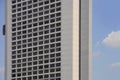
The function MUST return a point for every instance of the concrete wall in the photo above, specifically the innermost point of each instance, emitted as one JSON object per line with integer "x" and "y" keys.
{"x": 8, "y": 41}
{"x": 86, "y": 53}
{"x": 67, "y": 49}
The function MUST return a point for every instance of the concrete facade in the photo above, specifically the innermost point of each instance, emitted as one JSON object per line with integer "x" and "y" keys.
{"x": 76, "y": 34}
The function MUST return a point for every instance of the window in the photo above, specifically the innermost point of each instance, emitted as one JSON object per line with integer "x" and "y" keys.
{"x": 58, "y": 19}
{"x": 29, "y": 2}
{"x": 34, "y": 5}
{"x": 58, "y": 64}
{"x": 14, "y": 6}
{"x": 52, "y": 55}
{"x": 24, "y": 3}
{"x": 58, "y": 4}
{"x": 58, "y": 9}
{"x": 52, "y": 1}
{"x": 52, "y": 70}
{"x": 34, "y": 0}
{"x": 46, "y": 27}
{"x": 41, "y": 8}
{"x": 58, "y": 14}
{"x": 30, "y": 6}
{"x": 52, "y": 5}
{"x": 46, "y": 2}
{"x": 41, "y": 3}
{"x": 52, "y": 15}
{"x": 52, "y": 30}
{"x": 40, "y": 18}
{"x": 58, "y": 34}
{"x": 34, "y": 10}
{"x": 58, "y": 29}
{"x": 58, "y": 59}
{"x": 24, "y": 8}
{"x": 46, "y": 36}
{"x": 14, "y": 1}
{"x": 52, "y": 25}
{"x": 46, "y": 7}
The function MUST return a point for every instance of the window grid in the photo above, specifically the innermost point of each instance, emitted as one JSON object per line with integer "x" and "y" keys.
{"x": 36, "y": 40}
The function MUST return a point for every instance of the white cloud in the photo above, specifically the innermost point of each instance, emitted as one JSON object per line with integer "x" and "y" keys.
{"x": 1, "y": 69}
{"x": 113, "y": 39}
{"x": 116, "y": 64}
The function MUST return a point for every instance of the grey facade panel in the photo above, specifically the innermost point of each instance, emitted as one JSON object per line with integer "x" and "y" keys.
{"x": 67, "y": 22}
{"x": 86, "y": 39}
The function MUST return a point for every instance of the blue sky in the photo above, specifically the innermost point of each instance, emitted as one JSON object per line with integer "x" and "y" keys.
{"x": 2, "y": 54}
{"x": 106, "y": 40}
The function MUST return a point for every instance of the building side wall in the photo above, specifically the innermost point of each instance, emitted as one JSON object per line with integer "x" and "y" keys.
{"x": 76, "y": 38}
{"x": 8, "y": 41}
{"x": 67, "y": 49}
{"x": 86, "y": 39}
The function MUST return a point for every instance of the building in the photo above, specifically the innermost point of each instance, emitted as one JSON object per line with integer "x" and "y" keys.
{"x": 48, "y": 40}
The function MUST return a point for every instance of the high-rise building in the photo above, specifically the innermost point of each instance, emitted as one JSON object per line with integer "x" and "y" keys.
{"x": 48, "y": 40}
